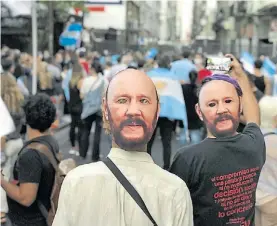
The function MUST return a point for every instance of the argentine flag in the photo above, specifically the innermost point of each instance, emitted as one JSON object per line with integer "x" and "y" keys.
{"x": 71, "y": 36}
{"x": 248, "y": 62}
{"x": 172, "y": 104}
{"x": 269, "y": 68}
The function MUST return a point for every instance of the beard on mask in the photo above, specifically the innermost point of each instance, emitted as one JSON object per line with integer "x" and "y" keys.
{"x": 131, "y": 144}
{"x": 222, "y": 133}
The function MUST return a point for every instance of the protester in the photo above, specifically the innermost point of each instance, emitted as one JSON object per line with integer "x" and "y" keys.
{"x": 164, "y": 124}
{"x": 130, "y": 114}
{"x": 266, "y": 195}
{"x": 183, "y": 67}
{"x": 201, "y": 62}
{"x": 33, "y": 173}
{"x": 222, "y": 171}
{"x": 190, "y": 95}
{"x": 13, "y": 98}
{"x": 75, "y": 106}
{"x": 262, "y": 83}
{"x": 45, "y": 80}
{"x": 92, "y": 89}
{"x": 83, "y": 61}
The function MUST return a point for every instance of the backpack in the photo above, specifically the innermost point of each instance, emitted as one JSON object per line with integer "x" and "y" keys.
{"x": 61, "y": 169}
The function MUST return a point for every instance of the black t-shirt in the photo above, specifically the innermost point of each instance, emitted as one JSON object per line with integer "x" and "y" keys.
{"x": 189, "y": 92}
{"x": 33, "y": 167}
{"x": 222, "y": 176}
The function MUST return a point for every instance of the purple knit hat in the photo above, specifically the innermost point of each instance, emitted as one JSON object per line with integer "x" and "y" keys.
{"x": 225, "y": 78}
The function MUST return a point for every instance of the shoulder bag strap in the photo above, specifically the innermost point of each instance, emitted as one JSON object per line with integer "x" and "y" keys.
{"x": 128, "y": 187}
{"x": 45, "y": 148}
{"x": 93, "y": 84}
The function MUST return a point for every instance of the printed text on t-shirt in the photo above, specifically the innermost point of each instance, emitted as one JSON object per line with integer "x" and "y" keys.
{"x": 235, "y": 194}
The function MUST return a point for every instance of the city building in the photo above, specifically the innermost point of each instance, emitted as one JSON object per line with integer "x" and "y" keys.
{"x": 149, "y": 21}
{"x": 168, "y": 20}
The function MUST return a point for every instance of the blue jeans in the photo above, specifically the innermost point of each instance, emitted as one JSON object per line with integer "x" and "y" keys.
{"x": 195, "y": 136}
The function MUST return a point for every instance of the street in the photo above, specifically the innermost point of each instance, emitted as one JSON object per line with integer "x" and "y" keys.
{"x": 62, "y": 137}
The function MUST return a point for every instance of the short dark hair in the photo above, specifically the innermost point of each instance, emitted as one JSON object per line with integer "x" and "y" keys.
{"x": 141, "y": 63}
{"x": 164, "y": 61}
{"x": 40, "y": 112}
{"x": 193, "y": 75}
{"x": 186, "y": 53}
{"x": 6, "y": 64}
{"x": 82, "y": 54}
{"x": 258, "y": 64}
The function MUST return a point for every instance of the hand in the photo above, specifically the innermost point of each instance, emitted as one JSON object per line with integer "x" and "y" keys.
{"x": 236, "y": 68}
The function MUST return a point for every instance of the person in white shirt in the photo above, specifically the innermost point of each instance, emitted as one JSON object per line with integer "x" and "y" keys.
{"x": 91, "y": 194}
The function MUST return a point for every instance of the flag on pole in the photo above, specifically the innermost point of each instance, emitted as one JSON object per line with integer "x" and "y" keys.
{"x": 71, "y": 36}
{"x": 248, "y": 62}
{"x": 269, "y": 68}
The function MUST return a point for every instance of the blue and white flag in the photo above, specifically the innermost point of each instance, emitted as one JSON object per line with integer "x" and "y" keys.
{"x": 269, "y": 68}
{"x": 172, "y": 104}
{"x": 151, "y": 53}
{"x": 248, "y": 62}
{"x": 71, "y": 36}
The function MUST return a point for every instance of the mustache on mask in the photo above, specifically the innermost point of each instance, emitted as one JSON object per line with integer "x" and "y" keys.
{"x": 223, "y": 117}
{"x": 133, "y": 122}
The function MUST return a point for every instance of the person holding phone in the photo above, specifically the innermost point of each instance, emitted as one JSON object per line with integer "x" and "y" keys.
{"x": 223, "y": 170}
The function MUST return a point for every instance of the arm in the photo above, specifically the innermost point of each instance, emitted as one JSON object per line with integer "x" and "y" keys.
{"x": 268, "y": 88}
{"x": 25, "y": 194}
{"x": 250, "y": 106}
{"x": 29, "y": 174}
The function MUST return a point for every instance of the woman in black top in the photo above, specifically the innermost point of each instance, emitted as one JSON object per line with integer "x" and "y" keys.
{"x": 191, "y": 99}
{"x": 75, "y": 104}
{"x": 261, "y": 82}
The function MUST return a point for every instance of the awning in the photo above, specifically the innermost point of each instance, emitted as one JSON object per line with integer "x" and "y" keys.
{"x": 269, "y": 6}
{"x": 18, "y": 8}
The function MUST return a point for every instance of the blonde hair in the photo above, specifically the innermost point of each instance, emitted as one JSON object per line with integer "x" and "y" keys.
{"x": 10, "y": 93}
{"x": 77, "y": 74}
{"x": 268, "y": 110}
{"x": 44, "y": 77}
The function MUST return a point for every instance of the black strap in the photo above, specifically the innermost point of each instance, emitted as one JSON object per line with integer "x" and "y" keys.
{"x": 128, "y": 187}
{"x": 50, "y": 154}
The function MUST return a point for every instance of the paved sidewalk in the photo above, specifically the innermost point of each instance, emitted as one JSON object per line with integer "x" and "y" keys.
{"x": 65, "y": 121}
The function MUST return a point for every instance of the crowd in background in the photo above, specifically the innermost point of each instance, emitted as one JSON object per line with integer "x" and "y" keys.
{"x": 76, "y": 80}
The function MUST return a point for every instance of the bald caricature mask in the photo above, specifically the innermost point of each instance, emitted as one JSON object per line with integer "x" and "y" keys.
{"x": 131, "y": 109}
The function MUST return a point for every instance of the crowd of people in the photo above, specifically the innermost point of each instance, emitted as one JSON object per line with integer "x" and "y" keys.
{"x": 224, "y": 174}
